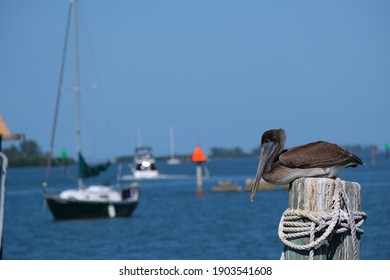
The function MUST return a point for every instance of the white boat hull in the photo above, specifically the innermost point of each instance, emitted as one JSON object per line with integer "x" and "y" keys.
{"x": 173, "y": 161}
{"x": 93, "y": 202}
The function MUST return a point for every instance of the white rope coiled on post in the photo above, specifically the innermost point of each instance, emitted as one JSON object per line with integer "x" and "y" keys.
{"x": 301, "y": 223}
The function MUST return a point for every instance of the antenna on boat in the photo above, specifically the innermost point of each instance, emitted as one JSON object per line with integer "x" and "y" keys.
{"x": 138, "y": 140}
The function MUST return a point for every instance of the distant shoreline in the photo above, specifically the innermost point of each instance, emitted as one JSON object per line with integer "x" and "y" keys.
{"x": 28, "y": 154}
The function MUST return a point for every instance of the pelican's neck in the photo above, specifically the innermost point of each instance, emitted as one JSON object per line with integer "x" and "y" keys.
{"x": 273, "y": 157}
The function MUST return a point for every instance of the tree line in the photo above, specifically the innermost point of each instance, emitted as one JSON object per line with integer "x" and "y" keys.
{"x": 28, "y": 153}
{"x": 220, "y": 152}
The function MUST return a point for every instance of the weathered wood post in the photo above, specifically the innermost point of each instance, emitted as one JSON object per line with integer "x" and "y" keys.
{"x": 199, "y": 158}
{"x": 323, "y": 220}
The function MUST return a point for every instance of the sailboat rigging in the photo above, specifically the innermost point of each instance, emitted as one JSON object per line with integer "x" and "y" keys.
{"x": 95, "y": 201}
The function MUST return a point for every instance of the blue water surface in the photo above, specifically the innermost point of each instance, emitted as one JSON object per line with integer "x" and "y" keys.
{"x": 172, "y": 221}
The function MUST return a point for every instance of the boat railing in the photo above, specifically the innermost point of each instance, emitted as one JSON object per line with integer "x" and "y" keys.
{"x": 3, "y": 177}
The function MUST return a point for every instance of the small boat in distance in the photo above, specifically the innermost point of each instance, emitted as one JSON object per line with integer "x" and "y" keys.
{"x": 172, "y": 160}
{"x": 144, "y": 164}
{"x": 96, "y": 201}
{"x": 226, "y": 187}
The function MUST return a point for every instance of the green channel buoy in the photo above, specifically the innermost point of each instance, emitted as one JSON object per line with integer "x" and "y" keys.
{"x": 64, "y": 154}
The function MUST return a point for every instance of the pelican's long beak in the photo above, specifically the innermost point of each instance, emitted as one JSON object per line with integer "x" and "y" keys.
{"x": 265, "y": 152}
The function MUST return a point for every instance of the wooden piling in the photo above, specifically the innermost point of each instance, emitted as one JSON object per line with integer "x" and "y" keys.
{"x": 316, "y": 197}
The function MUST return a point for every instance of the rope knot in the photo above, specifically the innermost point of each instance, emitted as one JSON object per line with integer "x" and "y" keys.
{"x": 320, "y": 227}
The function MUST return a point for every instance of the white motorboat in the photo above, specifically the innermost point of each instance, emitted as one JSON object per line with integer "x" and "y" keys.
{"x": 144, "y": 164}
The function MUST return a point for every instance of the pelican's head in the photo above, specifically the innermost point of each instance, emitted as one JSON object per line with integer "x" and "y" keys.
{"x": 271, "y": 141}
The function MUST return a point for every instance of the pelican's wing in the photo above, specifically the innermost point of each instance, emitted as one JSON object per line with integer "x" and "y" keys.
{"x": 318, "y": 154}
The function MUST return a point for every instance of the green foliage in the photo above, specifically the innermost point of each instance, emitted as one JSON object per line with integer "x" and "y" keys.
{"x": 30, "y": 148}
{"x": 28, "y": 153}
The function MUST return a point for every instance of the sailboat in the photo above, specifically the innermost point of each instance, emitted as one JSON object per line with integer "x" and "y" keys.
{"x": 96, "y": 201}
{"x": 172, "y": 160}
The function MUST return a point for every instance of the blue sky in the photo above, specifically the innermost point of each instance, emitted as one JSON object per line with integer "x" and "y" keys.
{"x": 222, "y": 72}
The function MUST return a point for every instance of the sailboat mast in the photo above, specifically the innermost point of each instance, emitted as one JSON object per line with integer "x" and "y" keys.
{"x": 77, "y": 86}
{"x": 57, "y": 105}
{"x": 171, "y": 142}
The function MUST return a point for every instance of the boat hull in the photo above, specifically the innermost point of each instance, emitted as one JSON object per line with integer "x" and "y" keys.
{"x": 65, "y": 209}
{"x": 173, "y": 161}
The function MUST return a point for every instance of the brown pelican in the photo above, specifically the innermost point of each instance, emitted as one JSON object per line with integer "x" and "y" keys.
{"x": 318, "y": 159}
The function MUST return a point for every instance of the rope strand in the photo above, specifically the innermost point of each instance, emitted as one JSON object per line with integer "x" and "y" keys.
{"x": 301, "y": 223}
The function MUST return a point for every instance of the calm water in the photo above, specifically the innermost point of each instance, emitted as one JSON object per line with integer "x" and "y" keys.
{"x": 173, "y": 222}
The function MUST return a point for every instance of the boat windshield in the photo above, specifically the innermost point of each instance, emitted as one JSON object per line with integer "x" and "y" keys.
{"x": 144, "y": 153}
